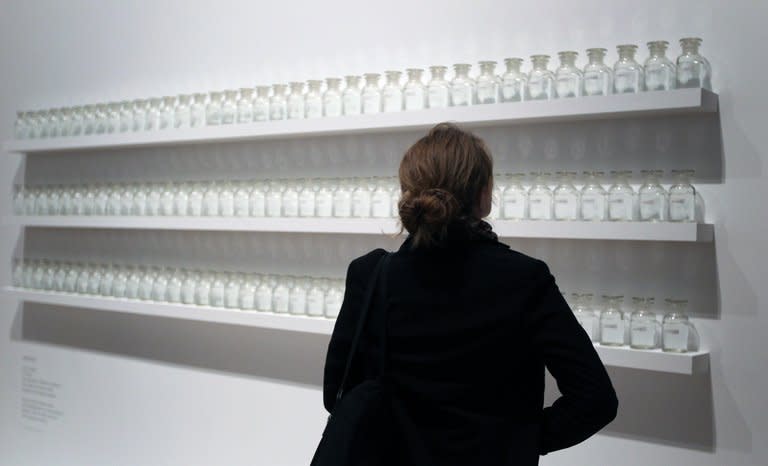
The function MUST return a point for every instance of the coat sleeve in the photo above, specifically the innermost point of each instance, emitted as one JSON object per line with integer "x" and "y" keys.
{"x": 588, "y": 401}
{"x": 358, "y": 275}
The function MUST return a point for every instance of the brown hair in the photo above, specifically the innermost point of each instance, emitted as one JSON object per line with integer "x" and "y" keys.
{"x": 441, "y": 178}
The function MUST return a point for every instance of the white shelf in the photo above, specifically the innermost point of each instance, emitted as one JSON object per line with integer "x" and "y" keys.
{"x": 627, "y": 231}
{"x": 654, "y": 360}
{"x": 292, "y": 323}
{"x": 680, "y": 101}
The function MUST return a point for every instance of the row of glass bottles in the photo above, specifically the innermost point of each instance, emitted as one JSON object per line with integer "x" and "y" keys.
{"x": 327, "y": 99}
{"x": 592, "y": 202}
{"x": 609, "y": 325}
{"x": 283, "y": 294}
{"x": 315, "y": 197}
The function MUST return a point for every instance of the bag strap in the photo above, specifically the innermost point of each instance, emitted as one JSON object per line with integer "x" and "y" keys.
{"x": 381, "y": 265}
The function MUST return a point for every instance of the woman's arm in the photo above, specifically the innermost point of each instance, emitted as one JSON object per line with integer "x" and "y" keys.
{"x": 588, "y": 401}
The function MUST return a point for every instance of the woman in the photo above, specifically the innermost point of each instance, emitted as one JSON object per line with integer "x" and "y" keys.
{"x": 470, "y": 325}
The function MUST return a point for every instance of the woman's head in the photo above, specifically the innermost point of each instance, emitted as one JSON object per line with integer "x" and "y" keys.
{"x": 446, "y": 177}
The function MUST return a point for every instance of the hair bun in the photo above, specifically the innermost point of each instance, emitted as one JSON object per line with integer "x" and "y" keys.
{"x": 430, "y": 211}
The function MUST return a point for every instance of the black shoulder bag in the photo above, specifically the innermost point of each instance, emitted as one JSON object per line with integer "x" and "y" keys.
{"x": 354, "y": 434}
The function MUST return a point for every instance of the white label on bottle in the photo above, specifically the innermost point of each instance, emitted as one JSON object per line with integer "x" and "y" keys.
{"x": 307, "y": 205}
{"x": 261, "y": 112}
{"x": 280, "y": 300}
{"x": 264, "y": 299}
{"x": 211, "y": 204}
{"x": 277, "y": 111}
{"x": 675, "y": 337}
{"x": 274, "y": 205}
{"x": 203, "y": 294}
{"x": 332, "y": 305}
{"x": 247, "y": 299}
{"x": 461, "y": 96}
{"x": 438, "y": 97}
{"x": 324, "y": 204}
{"x": 617, "y": 209}
{"x": 216, "y": 296}
{"x": 487, "y": 93}
{"x": 290, "y": 205}
{"x": 232, "y": 296}
{"x": 188, "y": 292}
{"x": 298, "y": 302}
{"x": 680, "y": 209}
{"x": 371, "y": 103}
{"x": 315, "y": 303}
{"x": 414, "y": 99}
{"x": 650, "y": 209}
{"x": 314, "y": 109}
{"x": 227, "y": 205}
{"x": 241, "y": 205}
{"x": 258, "y": 204}
{"x": 342, "y": 206}
{"x": 173, "y": 292}
{"x": 332, "y": 107}
{"x": 361, "y": 204}
{"x": 352, "y": 104}
{"x": 380, "y": 205}
{"x": 642, "y": 335}
{"x": 612, "y": 333}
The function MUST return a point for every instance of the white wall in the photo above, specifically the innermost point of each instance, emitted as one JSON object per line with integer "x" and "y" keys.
{"x": 154, "y": 391}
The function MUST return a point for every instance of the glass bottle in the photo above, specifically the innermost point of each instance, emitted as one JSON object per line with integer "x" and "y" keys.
{"x": 612, "y": 327}
{"x": 229, "y": 107}
{"x": 488, "y": 83}
{"x": 594, "y": 205}
{"x": 643, "y": 326}
{"x": 499, "y": 184}
{"x": 628, "y": 76}
{"x": 211, "y": 200}
{"x": 89, "y": 120}
{"x": 371, "y": 94}
{"x": 660, "y": 72}
{"x": 112, "y": 120}
{"x": 102, "y": 118}
{"x": 261, "y": 104}
{"x": 203, "y": 288}
{"x": 394, "y": 191}
{"x": 174, "y": 286}
{"x": 463, "y": 88}
{"x": 76, "y": 121}
{"x": 146, "y": 283}
{"x": 598, "y": 77}
{"x": 241, "y": 199}
{"x": 19, "y": 199}
{"x": 195, "y": 201}
{"x": 168, "y": 109}
{"x": 566, "y": 198}
{"x": 257, "y": 199}
{"x": 227, "y": 199}
{"x": 324, "y": 199}
{"x": 264, "y": 293}
{"x": 392, "y": 92}
{"x": 278, "y": 103}
{"x": 245, "y": 105}
{"x": 693, "y": 70}
{"x": 361, "y": 198}
{"x": 297, "y": 298}
{"x": 189, "y": 287}
{"x": 332, "y": 106}
{"x": 281, "y": 295}
{"x": 352, "y": 103}
{"x": 232, "y": 290}
{"x": 678, "y": 333}
{"x": 513, "y": 81}
{"x": 653, "y": 197}
{"x": 541, "y": 81}
{"x": 167, "y": 199}
{"x": 197, "y": 110}
{"x": 682, "y": 197}
{"x": 307, "y": 198}
{"x": 334, "y": 296}
{"x": 247, "y": 296}
{"x": 54, "y": 120}
{"x": 342, "y": 199}
{"x": 114, "y": 201}
{"x": 183, "y": 116}
{"x": 181, "y": 199}
{"x": 583, "y": 309}
{"x": 140, "y": 108}
{"x": 214, "y": 108}
{"x": 539, "y": 198}
{"x": 316, "y": 298}
{"x": 42, "y": 204}
{"x": 218, "y": 288}
{"x": 274, "y": 200}
{"x": 381, "y": 199}
{"x": 290, "y": 200}
{"x": 20, "y": 128}
{"x": 569, "y": 79}
{"x": 414, "y": 92}
{"x": 65, "y": 121}
{"x": 313, "y": 100}
{"x": 514, "y": 199}
{"x": 621, "y": 198}
{"x": 160, "y": 285}
{"x": 295, "y": 101}
{"x": 438, "y": 89}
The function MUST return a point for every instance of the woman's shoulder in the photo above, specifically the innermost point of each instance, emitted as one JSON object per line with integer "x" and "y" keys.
{"x": 367, "y": 261}
{"x": 500, "y": 255}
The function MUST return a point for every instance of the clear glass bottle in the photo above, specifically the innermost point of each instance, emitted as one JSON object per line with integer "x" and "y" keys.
{"x": 167, "y": 112}
{"x": 381, "y": 199}
{"x": 514, "y": 199}
{"x": 307, "y": 197}
{"x": 203, "y": 288}
{"x": 218, "y": 289}
{"x": 313, "y": 99}
{"x": 232, "y": 290}
{"x": 371, "y": 94}
{"x": 214, "y": 108}
{"x": 342, "y": 199}
{"x": 20, "y": 128}
{"x": 76, "y": 121}
{"x": 297, "y": 298}
{"x": 248, "y": 289}
{"x": 352, "y": 103}
{"x": 195, "y": 201}
{"x": 682, "y": 197}
{"x": 628, "y": 75}
{"x": 181, "y": 199}
{"x": 227, "y": 199}
{"x": 278, "y": 103}
{"x": 513, "y": 81}
{"x": 160, "y": 285}
{"x": 361, "y": 198}
{"x": 414, "y": 92}
{"x": 102, "y": 119}
{"x": 174, "y": 286}
{"x": 392, "y": 92}
{"x": 566, "y": 198}
{"x": 147, "y": 282}
{"x": 438, "y": 89}
{"x": 594, "y": 199}
{"x": 229, "y": 107}
{"x": 54, "y": 120}
{"x": 316, "y": 298}
{"x": 621, "y": 198}
{"x": 189, "y": 287}
{"x": 264, "y": 293}
{"x": 660, "y": 72}
{"x": 643, "y": 326}
{"x": 569, "y": 80}
{"x": 612, "y": 325}
{"x": 333, "y": 298}
{"x": 583, "y": 309}
{"x": 182, "y": 117}
{"x": 89, "y": 120}
{"x": 394, "y": 191}
{"x": 242, "y": 198}
{"x": 245, "y": 105}
{"x": 19, "y": 199}
{"x": 113, "y": 120}
{"x": 463, "y": 88}
{"x": 652, "y": 197}
{"x": 332, "y": 102}
{"x": 274, "y": 200}
{"x": 541, "y": 81}
{"x": 678, "y": 334}
{"x": 290, "y": 200}
{"x": 167, "y": 199}
{"x": 114, "y": 202}
{"x": 197, "y": 110}
{"x": 324, "y": 199}
{"x": 540, "y": 198}
{"x": 281, "y": 295}
{"x": 140, "y": 108}
{"x": 257, "y": 199}
{"x": 499, "y": 184}
{"x": 693, "y": 70}
{"x": 211, "y": 200}
{"x": 295, "y": 101}
{"x": 488, "y": 83}
{"x": 261, "y": 110}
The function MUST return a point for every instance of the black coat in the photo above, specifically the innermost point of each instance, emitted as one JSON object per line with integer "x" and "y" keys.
{"x": 471, "y": 327}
